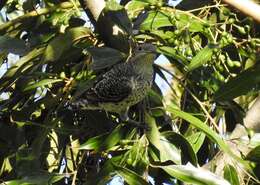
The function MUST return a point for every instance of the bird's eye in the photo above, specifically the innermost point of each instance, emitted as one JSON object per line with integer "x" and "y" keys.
{"x": 139, "y": 48}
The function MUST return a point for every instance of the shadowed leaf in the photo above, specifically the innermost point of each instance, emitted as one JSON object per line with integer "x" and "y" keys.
{"x": 239, "y": 85}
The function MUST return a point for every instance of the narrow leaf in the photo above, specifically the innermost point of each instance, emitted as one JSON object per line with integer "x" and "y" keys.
{"x": 167, "y": 151}
{"x": 196, "y": 140}
{"x": 188, "y": 155}
{"x": 171, "y": 52}
{"x": 210, "y": 133}
{"x": 42, "y": 83}
{"x": 201, "y": 58}
{"x": 192, "y": 175}
{"x": 93, "y": 143}
{"x": 106, "y": 141}
{"x": 130, "y": 176}
{"x": 19, "y": 67}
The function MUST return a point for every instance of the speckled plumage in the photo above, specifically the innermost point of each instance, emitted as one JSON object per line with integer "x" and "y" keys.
{"x": 122, "y": 86}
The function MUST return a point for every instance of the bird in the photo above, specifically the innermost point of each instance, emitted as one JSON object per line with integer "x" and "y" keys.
{"x": 122, "y": 86}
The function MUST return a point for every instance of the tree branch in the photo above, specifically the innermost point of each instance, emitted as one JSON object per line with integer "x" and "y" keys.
{"x": 93, "y": 9}
{"x": 247, "y": 7}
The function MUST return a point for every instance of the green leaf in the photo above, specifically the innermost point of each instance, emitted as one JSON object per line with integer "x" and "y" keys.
{"x": 200, "y": 125}
{"x": 209, "y": 132}
{"x": 180, "y": 142}
{"x": 104, "y": 57}
{"x": 62, "y": 43}
{"x": 118, "y": 15}
{"x": 19, "y": 68}
{"x": 192, "y": 175}
{"x": 170, "y": 51}
{"x": 6, "y": 166}
{"x": 137, "y": 156}
{"x": 179, "y": 19}
{"x": 155, "y": 20}
{"x": 106, "y": 141}
{"x": 254, "y": 155}
{"x": 201, "y": 58}
{"x": 135, "y": 7}
{"x": 93, "y": 143}
{"x": 240, "y": 85}
{"x": 42, "y": 83}
{"x": 188, "y": 21}
{"x": 167, "y": 151}
{"x": 153, "y": 133}
{"x": 13, "y": 45}
{"x": 130, "y": 176}
{"x": 196, "y": 140}
{"x": 230, "y": 174}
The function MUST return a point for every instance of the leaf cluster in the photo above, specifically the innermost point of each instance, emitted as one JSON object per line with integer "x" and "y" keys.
{"x": 212, "y": 55}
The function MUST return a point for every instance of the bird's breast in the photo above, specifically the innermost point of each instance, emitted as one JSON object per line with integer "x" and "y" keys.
{"x": 139, "y": 91}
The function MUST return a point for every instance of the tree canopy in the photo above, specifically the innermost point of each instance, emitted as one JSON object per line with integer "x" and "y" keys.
{"x": 202, "y": 129}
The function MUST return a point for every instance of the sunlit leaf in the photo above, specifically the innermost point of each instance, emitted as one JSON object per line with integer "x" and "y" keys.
{"x": 137, "y": 156}
{"x": 42, "y": 83}
{"x": 166, "y": 17}
{"x": 167, "y": 151}
{"x": 106, "y": 141}
{"x": 201, "y": 58}
{"x": 180, "y": 142}
{"x": 192, "y": 175}
{"x": 169, "y": 51}
{"x": 210, "y": 133}
{"x": 93, "y": 143}
{"x": 134, "y": 7}
{"x": 196, "y": 140}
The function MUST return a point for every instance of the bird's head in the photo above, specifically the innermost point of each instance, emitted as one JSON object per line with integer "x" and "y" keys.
{"x": 142, "y": 58}
{"x": 145, "y": 48}
{"x": 144, "y": 53}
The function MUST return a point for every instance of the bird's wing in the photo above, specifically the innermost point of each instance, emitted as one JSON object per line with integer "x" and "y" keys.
{"x": 113, "y": 86}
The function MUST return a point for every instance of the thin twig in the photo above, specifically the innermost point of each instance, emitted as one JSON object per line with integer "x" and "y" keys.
{"x": 195, "y": 98}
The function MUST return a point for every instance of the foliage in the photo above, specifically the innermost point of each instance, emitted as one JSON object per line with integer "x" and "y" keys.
{"x": 213, "y": 54}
